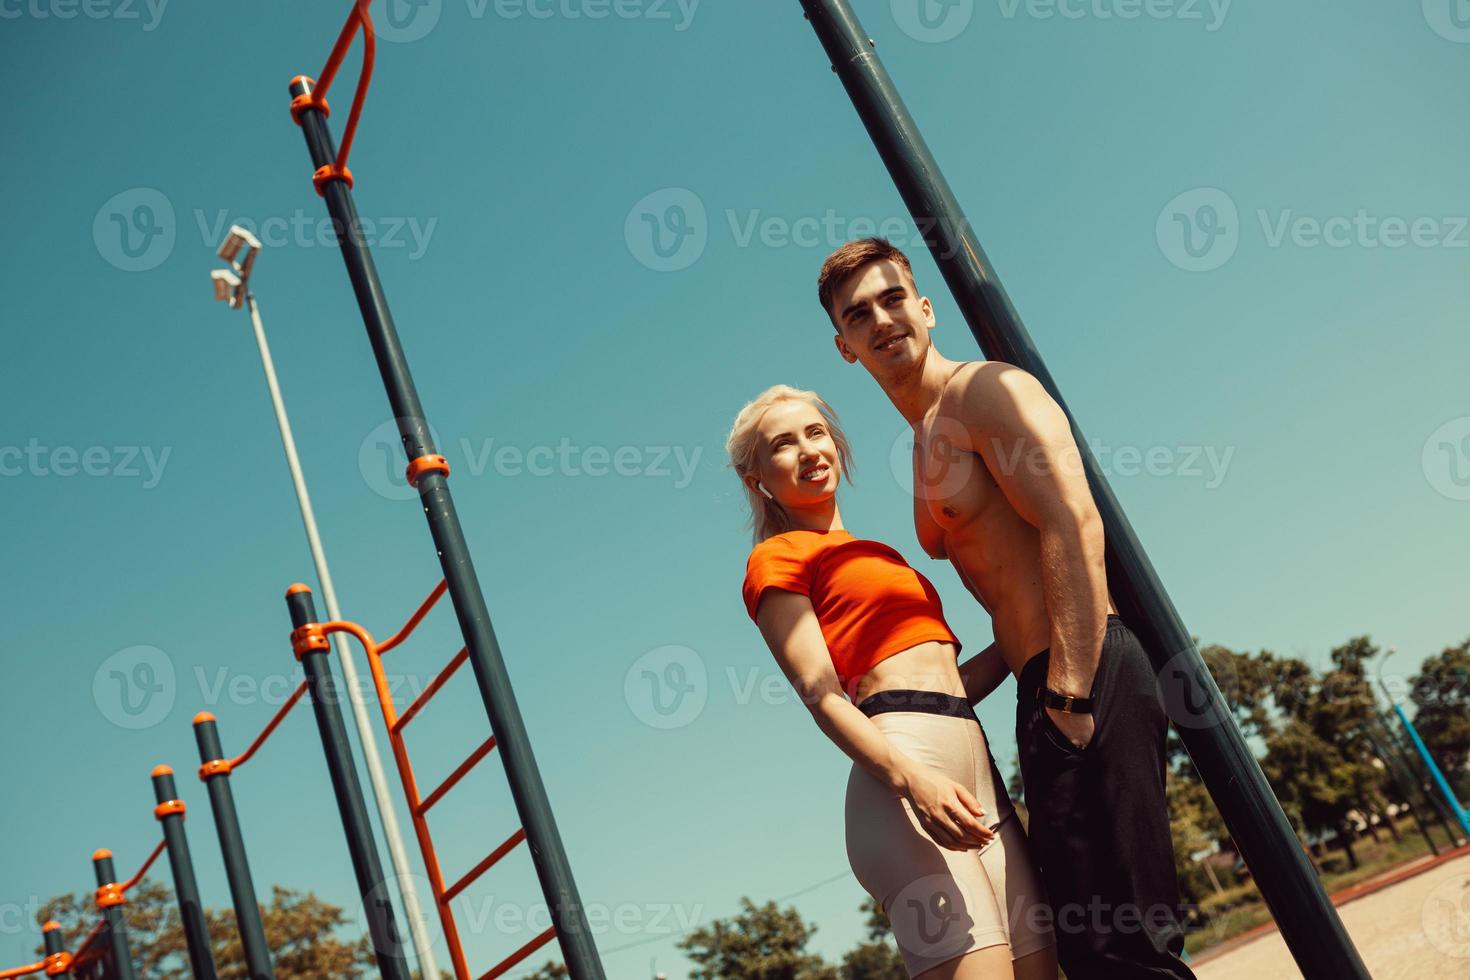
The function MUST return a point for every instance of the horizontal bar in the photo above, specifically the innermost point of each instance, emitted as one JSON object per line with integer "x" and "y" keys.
{"x": 457, "y": 775}
{"x": 439, "y": 681}
{"x": 483, "y": 866}
{"x": 265, "y": 732}
{"x": 413, "y": 620}
{"x": 519, "y": 954}
{"x": 144, "y": 869}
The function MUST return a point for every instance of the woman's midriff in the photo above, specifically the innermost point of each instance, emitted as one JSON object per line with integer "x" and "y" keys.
{"x": 929, "y": 666}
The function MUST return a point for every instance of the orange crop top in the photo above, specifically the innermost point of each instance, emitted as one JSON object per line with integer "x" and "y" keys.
{"x": 869, "y": 602}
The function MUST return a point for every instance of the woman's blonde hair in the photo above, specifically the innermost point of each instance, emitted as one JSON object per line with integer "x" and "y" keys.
{"x": 767, "y": 516}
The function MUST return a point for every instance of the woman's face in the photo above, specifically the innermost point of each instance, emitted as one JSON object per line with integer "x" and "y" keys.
{"x": 795, "y": 457}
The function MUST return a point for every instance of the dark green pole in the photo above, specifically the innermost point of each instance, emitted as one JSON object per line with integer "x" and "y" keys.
{"x": 170, "y": 813}
{"x": 1391, "y": 766}
{"x": 110, "y": 902}
{"x": 366, "y": 866}
{"x": 232, "y": 847}
{"x": 568, "y": 915}
{"x": 1306, "y": 917}
{"x": 55, "y": 949}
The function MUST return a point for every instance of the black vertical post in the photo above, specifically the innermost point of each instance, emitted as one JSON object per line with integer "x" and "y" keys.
{"x": 110, "y": 902}
{"x": 532, "y": 805}
{"x": 170, "y": 813}
{"x": 326, "y": 704}
{"x": 55, "y": 950}
{"x": 1307, "y": 919}
{"x": 232, "y": 846}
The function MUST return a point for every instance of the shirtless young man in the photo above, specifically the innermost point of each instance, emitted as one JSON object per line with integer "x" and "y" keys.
{"x": 999, "y": 490}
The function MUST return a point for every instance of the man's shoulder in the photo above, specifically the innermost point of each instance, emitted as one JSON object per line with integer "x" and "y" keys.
{"x": 974, "y": 383}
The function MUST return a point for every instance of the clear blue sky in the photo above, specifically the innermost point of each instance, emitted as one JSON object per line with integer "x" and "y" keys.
{"x": 1235, "y": 229}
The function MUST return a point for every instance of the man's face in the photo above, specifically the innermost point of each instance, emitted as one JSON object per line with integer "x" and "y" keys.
{"x": 882, "y": 321}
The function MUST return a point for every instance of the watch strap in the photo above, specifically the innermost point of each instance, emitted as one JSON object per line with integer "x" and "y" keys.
{"x": 1069, "y": 703}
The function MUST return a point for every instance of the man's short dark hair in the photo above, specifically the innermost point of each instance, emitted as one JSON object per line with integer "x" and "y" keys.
{"x": 852, "y": 257}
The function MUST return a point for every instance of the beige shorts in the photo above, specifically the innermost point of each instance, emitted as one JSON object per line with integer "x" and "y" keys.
{"x": 943, "y": 903}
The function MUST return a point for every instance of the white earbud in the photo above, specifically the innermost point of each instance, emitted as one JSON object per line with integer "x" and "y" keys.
{"x": 762, "y": 488}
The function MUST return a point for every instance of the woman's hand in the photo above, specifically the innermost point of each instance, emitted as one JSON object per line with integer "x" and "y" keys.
{"x": 946, "y": 810}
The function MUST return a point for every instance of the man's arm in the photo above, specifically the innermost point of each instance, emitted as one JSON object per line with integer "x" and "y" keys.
{"x": 983, "y": 673}
{"x": 1026, "y": 442}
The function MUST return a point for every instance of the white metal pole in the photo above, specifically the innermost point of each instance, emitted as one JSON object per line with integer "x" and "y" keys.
{"x": 417, "y": 927}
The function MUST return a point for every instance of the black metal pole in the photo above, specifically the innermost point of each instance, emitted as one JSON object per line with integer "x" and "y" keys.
{"x": 532, "y": 805}
{"x": 1390, "y": 765}
{"x": 110, "y": 902}
{"x": 170, "y": 813}
{"x": 327, "y": 705}
{"x": 1423, "y": 780}
{"x": 55, "y": 948}
{"x": 1307, "y": 919}
{"x": 232, "y": 846}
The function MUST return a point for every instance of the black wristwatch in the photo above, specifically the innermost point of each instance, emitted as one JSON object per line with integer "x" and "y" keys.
{"x": 1069, "y": 703}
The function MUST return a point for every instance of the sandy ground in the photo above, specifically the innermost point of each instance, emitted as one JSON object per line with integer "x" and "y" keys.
{"x": 1418, "y": 929}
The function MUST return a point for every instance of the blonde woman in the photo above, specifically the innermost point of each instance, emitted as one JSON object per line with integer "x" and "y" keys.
{"x": 931, "y": 834}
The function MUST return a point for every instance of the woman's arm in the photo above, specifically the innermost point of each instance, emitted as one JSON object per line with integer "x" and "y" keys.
{"x": 983, "y": 673}
{"x": 947, "y": 811}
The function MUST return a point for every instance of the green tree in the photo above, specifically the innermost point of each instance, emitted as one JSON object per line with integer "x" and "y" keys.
{"x": 1441, "y": 695}
{"x": 876, "y": 959}
{"x": 760, "y": 943}
{"x": 299, "y": 928}
{"x": 550, "y": 970}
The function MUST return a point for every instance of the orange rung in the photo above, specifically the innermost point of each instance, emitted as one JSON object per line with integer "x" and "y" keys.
{"x": 433, "y": 688}
{"x": 22, "y": 971}
{"x": 458, "y": 774}
{"x": 519, "y": 954}
{"x": 483, "y": 866}
{"x": 415, "y": 619}
{"x": 143, "y": 870}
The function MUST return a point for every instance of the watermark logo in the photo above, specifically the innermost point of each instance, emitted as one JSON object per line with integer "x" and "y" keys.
{"x": 134, "y": 230}
{"x": 1450, "y": 19}
{"x": 1446, "y": 917}
{"x": 135, "y": 687}
{"x": 668, "y": 230}
{"x": 1195, "y": 695}
{"x": 667, "y": 687}
{"x": 932, "y": 21}
{"x": 402, "y": 21}
{"x": 1446, "y": 459}
{"x": 1198, "y": 230}
{"x": 145, "y": 463}
{"x": 932, "y": 915}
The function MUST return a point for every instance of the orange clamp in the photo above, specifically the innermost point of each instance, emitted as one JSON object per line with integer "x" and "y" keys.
{"x": 109, "y": 896}
{"x": 309, "y": 639}
{"x": 426, "y": 464}
{"x": 331, "y": 171}
{"x": 218, "y": 767}
{"x": 57, "y": 964}
{"x": 168, "y": 808}
{"x": 308, "y": 100}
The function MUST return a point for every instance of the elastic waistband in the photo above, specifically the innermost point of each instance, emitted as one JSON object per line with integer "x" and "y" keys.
{"x": 924, "y": 702}
{"x": 1033, "y": 671}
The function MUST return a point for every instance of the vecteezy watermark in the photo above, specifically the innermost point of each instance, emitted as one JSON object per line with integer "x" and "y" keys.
{"x": 303, "y": 230}
{"x": 1210, "y": 13}
{"x": 932, "y": 916}
{"x": 1450, "y": 19}
{"x": 1446, "y": 459}
{"x": 949, "y": 461}
{"x": 119, "y": 462}
{"x": 135, "y": 687}
{"x": 1199, "y": 230}
{"x": 669, "y": 230}
{"x": 1446, "y": 917}
{"x": 932, "y": 21}
{"x": 147, "y": 13}
{"x": 410, "y": 20}
{"x": 667, "y": 687}
{"x": 136, "y": 230}
{"x": 380, "y": 461}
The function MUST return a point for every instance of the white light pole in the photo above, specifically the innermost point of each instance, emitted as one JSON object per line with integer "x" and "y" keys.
{"x": 233, "y": 286}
